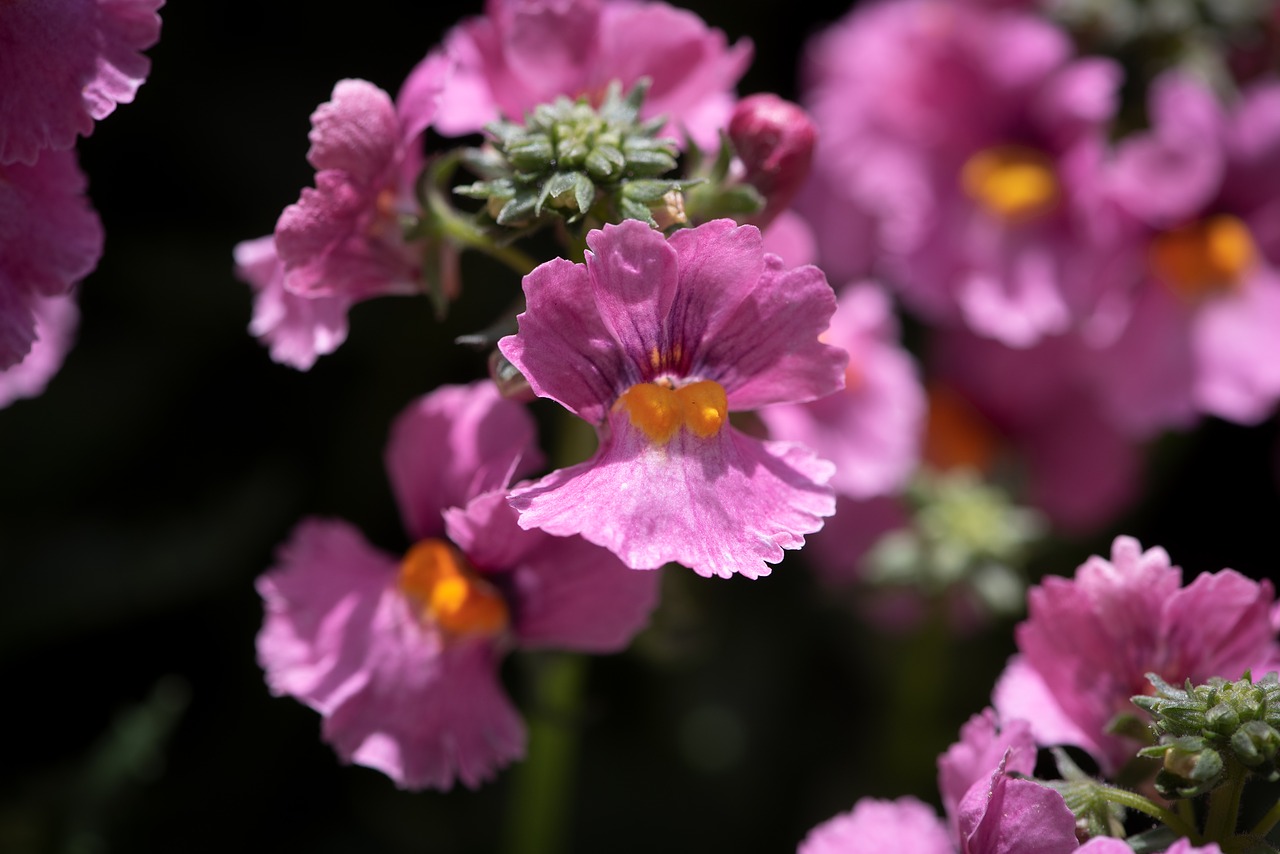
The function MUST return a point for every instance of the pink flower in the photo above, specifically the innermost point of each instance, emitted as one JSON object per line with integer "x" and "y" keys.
{"x": 960, "y": 149}
{"x": 50, "y": 239}
{"x": 988, "y": 810}
{"x": 871, "y": 429}
{"x": 343, "y": 241}
{"x": 1089, "y": 642}
{"x": 522, "y": 53}
{"x": 1202, "y": 186}
{"x": 66, "y": 64}
{"x": 400, "y": 656}
{"x": 654, "y": 341}
{"x": 1040, "y": 406}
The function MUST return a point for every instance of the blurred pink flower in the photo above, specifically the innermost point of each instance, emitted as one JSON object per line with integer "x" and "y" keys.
{"x": 400, "y": 656}
{"x": 50, "y": 239}
{"x": 1202, "y": 185}
{"x": 959, "y": 154}
{"x": 522, "y": 53}
{"x": 65, "y": 65}
{"x": 872, "y": 428}
{"x": 343, "y": 241}
{"x": 988, "y": 810}
{"x": 1089, "y": 642}
{"x": 654, "y": 341}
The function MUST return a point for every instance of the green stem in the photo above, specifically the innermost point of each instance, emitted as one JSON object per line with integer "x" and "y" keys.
{"x": 541, "y": 788}
{"x": 460, "y": 228}
{"x": 1268, "y": 821}
{"x": 1134, "y": 801}
{"x": 1224, "y": 805}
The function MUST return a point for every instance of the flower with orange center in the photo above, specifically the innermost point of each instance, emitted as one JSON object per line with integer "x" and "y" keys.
{"x": 1012, "y": 183}
{"x": 401, "y": 656}
{"x": 450, "y": 593}
{"x": 1207, "y": 257}
{"x": 655, "y": 341}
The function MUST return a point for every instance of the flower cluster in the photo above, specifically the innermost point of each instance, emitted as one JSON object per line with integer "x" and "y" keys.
{"x": 66, "y": 65}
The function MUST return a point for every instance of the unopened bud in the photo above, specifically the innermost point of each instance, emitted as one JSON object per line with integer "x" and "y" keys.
{"x": 774, "y": 139}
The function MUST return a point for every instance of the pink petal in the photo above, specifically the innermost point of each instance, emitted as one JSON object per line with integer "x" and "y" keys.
{"x": 50, "y": 238}
{"x": 356, "y": 132}
{"x": 55, "y": 324}
{"x": 568, "y": 593}
{"x": 983, "y": 746}
{"x": 875, "y": 826}
{"x": 453, "y": 444}
{"x": 65, "y": 64}
{"x": 1237, "y": 353}
{"x": 719, "y": 506}
{"x": 1004, "y": 815}
{"x": 297, "y": 329}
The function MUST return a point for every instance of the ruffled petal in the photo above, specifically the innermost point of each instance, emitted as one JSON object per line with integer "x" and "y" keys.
{"x": 1004, "y": 815}
{"x": 55, "y": 325}
{"x": 65, "y": 64}
{"x": 452, "y": 445}
{"x": 984, "y": 744}
{"x": 566, "y": 593}
{"x": 356, "y": 132}
{"x": 725, "y": 505}
{"x": 564, "y": 348}
{"x": 50, "y": 238}
{"x": 296, "y": 329}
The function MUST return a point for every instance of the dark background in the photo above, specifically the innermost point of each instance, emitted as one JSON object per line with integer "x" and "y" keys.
{"x": 149, "y": 486}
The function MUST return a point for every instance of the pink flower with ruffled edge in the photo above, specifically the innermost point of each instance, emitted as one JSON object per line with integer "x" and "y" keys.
{"x": 872, "y": 428}
{"x": 960, "y": 150}
{"x": 343, "y": 241}
{"x": 400, "y": 656}
{"x": 1202, "y": 185}
{"x": 1089, "y": 642}
{"x": 66, "y": 64}
{"x": 522, "y": 53}
{"x": 50, "y": 238}
{"x": 988, "y": 810}
{"x": 653, "y": 341}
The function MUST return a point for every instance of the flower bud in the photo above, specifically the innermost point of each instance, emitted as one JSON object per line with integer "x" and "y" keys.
{"x": 774, "y": 139}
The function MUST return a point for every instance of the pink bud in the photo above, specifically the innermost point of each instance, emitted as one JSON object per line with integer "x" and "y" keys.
{"x": 774, "y": 139}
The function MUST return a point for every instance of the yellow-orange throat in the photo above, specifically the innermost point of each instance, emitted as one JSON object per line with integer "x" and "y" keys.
{"x": 450, "y": 592}
{"x": 1010, "y": 182}
{"x": 660, "y": 411}
{"x": 1207, "y": 257}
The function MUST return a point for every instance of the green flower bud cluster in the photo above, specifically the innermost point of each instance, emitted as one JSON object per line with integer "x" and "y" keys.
{"x": 964, "y": 530}
{"x": 1203, "y": 728}
{"x": 570, "y": 157}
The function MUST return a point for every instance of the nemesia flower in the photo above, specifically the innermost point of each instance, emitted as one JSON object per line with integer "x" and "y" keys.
{"x": 1088, "y": 643}
{"x": 654, "y": 341}
{"x": 50, "y": 238}
{"x": 66, "y": 64}
{"x": 343, "y": 241}
{"x": 522, "y": 53}
{"x": 400, "y": 655}
{"x": 1202, "y": 185}
{"x": 872, "y": 428}
{"x": 1038, "y": 405}
{"x": 56, "y": 320}
{"x": 960, "y": 149}
{"x": 989, "y": 811}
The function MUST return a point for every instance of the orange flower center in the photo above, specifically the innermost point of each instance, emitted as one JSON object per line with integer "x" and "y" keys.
{"x": 1010, "y": 182}
{"x": 659, "y": 410}
{"x": 1207, "y": 257}
{"x": 955, "y": 435}
{"x": 449, "y": 592}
